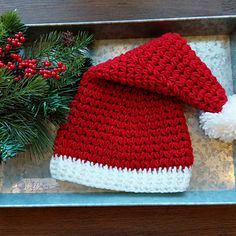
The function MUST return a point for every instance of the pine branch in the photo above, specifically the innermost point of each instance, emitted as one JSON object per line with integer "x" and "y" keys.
{"x": 77, "y": 59}
{"x": 83, "y": 39}
{"x": 12, "y": 22}
{"x": 3, "y": 32}
{"x": 32, "y": 107}
{"x": 9, "y": 149}
{"x": 45, "y": 45}
{"x": 18, "y": 122}
{"x": 43, "y": 142}
{"x": 13, "y": 93}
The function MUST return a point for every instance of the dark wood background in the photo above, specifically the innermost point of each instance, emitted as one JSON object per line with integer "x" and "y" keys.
{"x": 174, "y": 220}
{"x": 45, "y": 11}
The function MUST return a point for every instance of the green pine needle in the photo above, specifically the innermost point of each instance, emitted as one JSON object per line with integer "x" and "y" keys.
{"x": 83, "y": 40}
{"x": 12, "y": 22}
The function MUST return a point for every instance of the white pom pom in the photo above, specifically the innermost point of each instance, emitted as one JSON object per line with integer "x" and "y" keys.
{"x": 221, "y": 125}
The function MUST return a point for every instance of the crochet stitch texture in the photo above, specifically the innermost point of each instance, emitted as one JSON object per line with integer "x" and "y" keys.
{"x": 127, "y": 120}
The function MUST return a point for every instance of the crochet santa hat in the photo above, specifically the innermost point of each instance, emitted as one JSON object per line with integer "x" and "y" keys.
{"x": 126, "y": 129}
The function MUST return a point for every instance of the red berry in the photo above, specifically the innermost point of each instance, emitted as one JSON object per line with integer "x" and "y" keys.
{"x": 9, "y": 40}
{"x": 57, "y": 76}
{"x": 20, "y": 66}
{"x": 41, "y": 72}
{"x": 28, "y": 74}
{"x": 33, "y": 67}
{"x": 1, "y": 64}
{"x": 47, "y": 63}
{"x": 14, "y": 42}
{"x": 45, "y": 75}
{"x": 22, "y": 39}
{"x": 63, "y": 69}
{"x": 54, "y": 73}
{"x": 16, "y": 35}
{"x": 33, "y": 61}
{"x": 17, "y": 78}
{"x": 19, "y": 44}
{"x": 20, "y": 33}
{"x": 60, "y": 64}
{"x": 11, "y": 67}
{"x": 49, "y": 74}
{"x": 8, "y": 47}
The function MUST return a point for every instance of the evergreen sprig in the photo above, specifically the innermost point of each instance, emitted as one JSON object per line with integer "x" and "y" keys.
{"x": 10, "y": 24}
{"x": 51, "y": 47}
{"x": 32, "y": 108}
{"x": 18, "y": 124}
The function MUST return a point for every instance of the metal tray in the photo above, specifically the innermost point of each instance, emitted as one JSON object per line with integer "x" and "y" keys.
{"x": 27, "y": 183}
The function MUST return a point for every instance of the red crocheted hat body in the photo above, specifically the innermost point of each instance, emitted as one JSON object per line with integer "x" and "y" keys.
{"x": 126, "y": 129}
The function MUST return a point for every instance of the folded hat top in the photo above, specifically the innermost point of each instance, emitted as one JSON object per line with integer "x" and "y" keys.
{"x": 168, "y": 66}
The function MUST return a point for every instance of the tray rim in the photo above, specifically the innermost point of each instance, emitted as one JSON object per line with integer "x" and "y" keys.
{"x": 202, "y": 198}
{"x": 224, "y": 197}
{"x": 143, "y": 28}
{"x": 151, "y": 20}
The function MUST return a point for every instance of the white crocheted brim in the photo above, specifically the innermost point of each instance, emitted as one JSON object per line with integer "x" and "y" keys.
{"x": 99, "y": 176}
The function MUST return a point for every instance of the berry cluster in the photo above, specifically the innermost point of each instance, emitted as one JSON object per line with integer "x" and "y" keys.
{"x": 15, "y": 42}
{"x": 26, "y": 68}
{"x": 12, "y": 44}
{"x": 48, "y": 72}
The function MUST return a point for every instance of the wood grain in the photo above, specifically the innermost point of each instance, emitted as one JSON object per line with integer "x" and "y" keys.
{"x": 188, "y": 220}
{"x": 52, "y": 11}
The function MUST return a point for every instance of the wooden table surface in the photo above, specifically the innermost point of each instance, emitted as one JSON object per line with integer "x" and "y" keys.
{"x": 174, "y": 220}
{"x": 188, "y": 220}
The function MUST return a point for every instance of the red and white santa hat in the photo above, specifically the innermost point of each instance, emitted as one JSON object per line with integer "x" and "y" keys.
{"x": 126, "y": 129}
